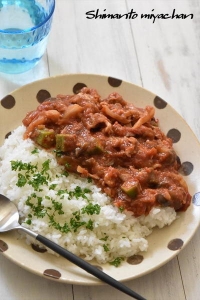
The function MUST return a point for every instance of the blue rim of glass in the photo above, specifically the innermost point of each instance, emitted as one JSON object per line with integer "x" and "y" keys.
{"x": 35, "y": 27}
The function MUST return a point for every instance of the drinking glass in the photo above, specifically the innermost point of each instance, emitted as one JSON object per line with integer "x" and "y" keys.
{"x": 24, "y": 31}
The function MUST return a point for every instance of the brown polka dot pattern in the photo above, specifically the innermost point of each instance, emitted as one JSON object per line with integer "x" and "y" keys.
{"x": 52, "y": 273}
{"x": 114, "y": 82}
{"x": 42, "y": 95}
{"x": 186, "y": 168}
{"x": 3, "y": 246}
{"x": 8, "y": 102}
{"x": 174, "y": 134}
{"x": 159, "y": 103}
{"x": 78, "y": 86}
{"x": 7, "y": 134}
{"x": 178, "y": 160}
{"x": 196, "y": 199}
{"x": 175, "y": 244}
{"x": 38, "y": 249}
{"x": 135, "y": 259}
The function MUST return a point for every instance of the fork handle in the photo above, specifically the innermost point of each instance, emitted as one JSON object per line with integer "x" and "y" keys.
{"x": 88, "y": 267}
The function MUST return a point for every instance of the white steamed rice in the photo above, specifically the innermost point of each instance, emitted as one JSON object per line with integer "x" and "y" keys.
{"x": 114, "y": 233}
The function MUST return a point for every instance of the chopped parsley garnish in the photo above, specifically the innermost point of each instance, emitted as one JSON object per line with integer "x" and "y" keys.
{"x": 37, "y": 181}
{"x": 21, "y": 180}
{"x": 20, "y": 166}
{"x": 37, "y": 176}
{"x": 64, "y": 229}
{"x": 35, "y": 151}
{"x": 91, "y": 209}
{"x": 117, "y": 261}
{"x": 75, "y": 224}
{"x": 61, "y": 192}
{"x": 121, "y": 209}
{"x": 35, "y": 203}
{"x": 65, "y": 173}
{"x": 29, "y": 173}
{"x": 28, "y": 221}
{"x": 106, "y": 248}
{"x": 90, "y": 225}
{"x": 57, "y": 207}
{"x": 79, "y": 192}
{"x": 45, "y": 166}
{"x": 52, "y": 186}
{"x": 104, "y": 238}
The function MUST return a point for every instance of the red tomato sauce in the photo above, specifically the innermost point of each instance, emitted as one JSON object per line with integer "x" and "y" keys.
{"x": 118, "y": 145}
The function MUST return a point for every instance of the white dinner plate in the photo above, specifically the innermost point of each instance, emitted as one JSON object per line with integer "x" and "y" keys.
{"x": 164, "y": 243}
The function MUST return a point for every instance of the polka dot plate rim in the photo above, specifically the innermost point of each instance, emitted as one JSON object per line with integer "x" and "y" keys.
{"x": 165, "y": 243}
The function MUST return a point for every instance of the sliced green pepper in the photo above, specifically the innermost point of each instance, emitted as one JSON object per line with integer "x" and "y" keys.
{"x": 45, "y": 138}
{"x": 96, "y": 150}
{"x": 64, "y": 142}
{"x": 131, "y": 189}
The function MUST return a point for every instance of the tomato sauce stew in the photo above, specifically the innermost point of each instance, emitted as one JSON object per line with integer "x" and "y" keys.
{"x": 118, "y": 145}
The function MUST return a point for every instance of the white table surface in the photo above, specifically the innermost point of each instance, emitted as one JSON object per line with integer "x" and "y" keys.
{"x": 163, "y": 57}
